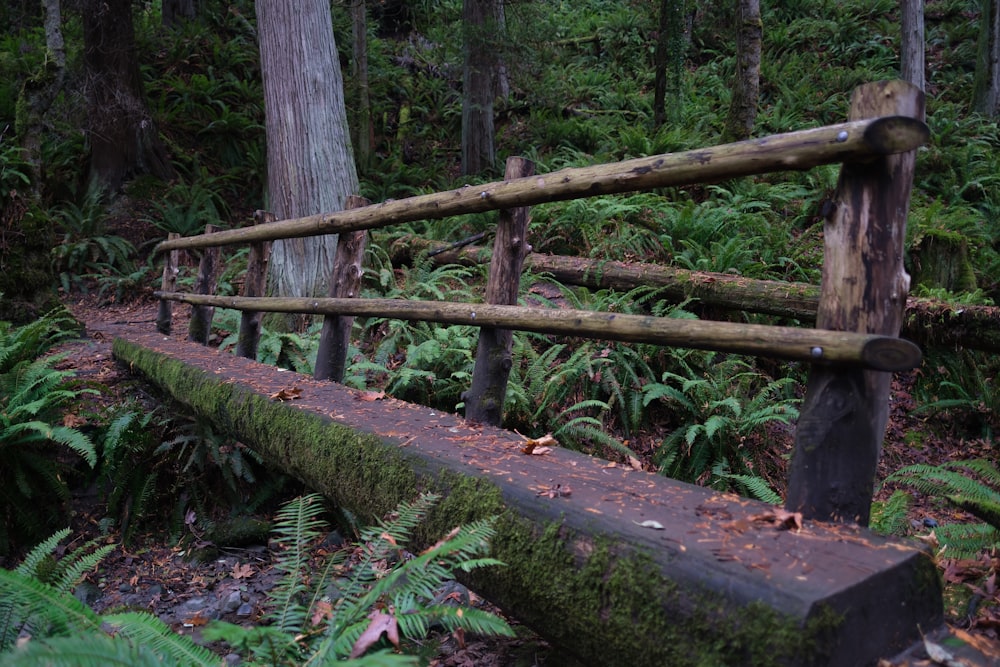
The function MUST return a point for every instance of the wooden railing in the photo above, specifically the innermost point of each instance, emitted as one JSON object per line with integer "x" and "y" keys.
{"x": 852, "y": 351}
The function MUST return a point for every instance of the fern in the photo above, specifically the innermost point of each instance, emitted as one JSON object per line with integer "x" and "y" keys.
{"x": 889, "y": 516}
{"x": 311, "y": 629}
{"x": 971, "y": 485}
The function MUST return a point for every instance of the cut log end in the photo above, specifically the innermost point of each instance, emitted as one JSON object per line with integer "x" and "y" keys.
{"x": 896, "y": 134}
{"x": 891, "y": 354}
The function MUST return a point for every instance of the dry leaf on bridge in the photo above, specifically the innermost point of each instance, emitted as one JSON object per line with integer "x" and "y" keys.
{"x": 782, "y": 519}
{"x": 371, "y": 396}
{"x": 286, "y": 394}
{"x": 540, "y": 446}
{"x": 555, "y": 491}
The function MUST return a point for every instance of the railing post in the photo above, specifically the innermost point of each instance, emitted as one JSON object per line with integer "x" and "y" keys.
{"x": 200, "y": 326}
{"x": 254, "y": 284}
{"x": 345, "y": 282}
{"x": 165, "y": 312}
{"x": 864, "y": 285}
{"x": 485, "y": 397}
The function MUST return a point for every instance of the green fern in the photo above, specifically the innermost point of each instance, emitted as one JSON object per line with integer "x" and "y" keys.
{"x": 971, "y": 485}
{"x": 32, "y": 395}
{"x": 307, "y": 627}
{"x": 888, "y": 517}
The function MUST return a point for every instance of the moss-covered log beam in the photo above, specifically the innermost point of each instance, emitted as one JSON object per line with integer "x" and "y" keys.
{"x": 711, "y": 582}
{"x": 926, "y": 322}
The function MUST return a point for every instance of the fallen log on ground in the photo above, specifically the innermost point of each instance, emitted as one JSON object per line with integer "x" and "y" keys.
{"x": 926, "y": 322}
{"x": 614, "y": 566}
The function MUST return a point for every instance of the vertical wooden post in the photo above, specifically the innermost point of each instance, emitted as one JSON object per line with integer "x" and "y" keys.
{"x": 200, "y": 326}
{"x": 165, "y": 313}
{"x": 864, "y": 287}
{"x": 254, "y": 284}
{"x": 485, "y": 397}
{"x": 345, "y": 282}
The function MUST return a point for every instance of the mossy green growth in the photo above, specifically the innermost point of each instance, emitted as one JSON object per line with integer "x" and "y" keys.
{"x": 27, "y": 281}
{"x": 619, "y": 592}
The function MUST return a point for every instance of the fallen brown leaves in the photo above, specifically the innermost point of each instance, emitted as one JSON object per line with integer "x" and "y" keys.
{"x": 287, "y": 394}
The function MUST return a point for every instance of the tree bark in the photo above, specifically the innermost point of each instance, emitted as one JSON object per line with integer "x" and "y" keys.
{"x": 912, "y": 47}
{"x": 839, "y": 435}
{"x": 478, "y": 87}
{"x": 746, "y": 81}
{"x": 986, "y": 92}
{"x": 364, "y": 133}
{"x": 123, "y": 137}
{"x": 485, "y": 399}
{"x": 310, "y": 167}
{"x": 40, "y": 91}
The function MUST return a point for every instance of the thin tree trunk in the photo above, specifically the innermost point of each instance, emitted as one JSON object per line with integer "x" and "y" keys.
{"x": 40, "y": 91}
{"x": 986, "y": 95}
{"x": 478, "y": 150}
{"x": 123, "y": 137}
{"x": 175, "y": 12}
{"x": 913, "y": 47}
{"x": 364, "y": 137}
{"x": 310, "y": 165}
{"x": 668, "y": 59}
{"x": 746, "y": 82}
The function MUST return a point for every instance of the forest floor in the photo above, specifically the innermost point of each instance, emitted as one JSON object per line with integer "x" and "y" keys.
{"x": 185, "y": 593}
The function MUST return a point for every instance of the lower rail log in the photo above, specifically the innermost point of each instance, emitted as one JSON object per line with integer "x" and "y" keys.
{"x": 884, "y": 353}
{"x": 612, "y": 565}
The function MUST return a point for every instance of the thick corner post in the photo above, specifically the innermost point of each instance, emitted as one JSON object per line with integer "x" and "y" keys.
{"x": 864, "y": 286}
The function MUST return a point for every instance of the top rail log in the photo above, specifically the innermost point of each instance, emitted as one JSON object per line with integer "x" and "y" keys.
{"x": 792, "y": 343}
{"x": 855, "y": 141}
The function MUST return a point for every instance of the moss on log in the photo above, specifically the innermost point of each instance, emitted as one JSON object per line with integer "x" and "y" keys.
{"x": 715, "y": 586}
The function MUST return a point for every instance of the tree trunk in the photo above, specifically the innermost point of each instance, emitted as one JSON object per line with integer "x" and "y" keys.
{"x": 310, "y": 168}
{"x": 175, "y": 12}
{"x": 746, "y": 82}
{"x": 986, "y": 95}
{"x": 912, "y": 47}
{"x": 123, "y": 137}
{"x": 478, "y": 72}
{"x": 40, "y": 91}
{"x": 364, "y": 134}
{"x": 668, "y": 59}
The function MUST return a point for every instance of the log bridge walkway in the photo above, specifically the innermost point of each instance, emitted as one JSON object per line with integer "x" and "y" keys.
{"x": 615, "y": 566}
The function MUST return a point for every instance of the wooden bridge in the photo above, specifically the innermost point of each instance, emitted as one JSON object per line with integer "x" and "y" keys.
{"x": 613, "y": 565}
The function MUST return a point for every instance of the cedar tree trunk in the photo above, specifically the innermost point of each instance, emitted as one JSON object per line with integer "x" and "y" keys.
{"x": 310, "y": 167}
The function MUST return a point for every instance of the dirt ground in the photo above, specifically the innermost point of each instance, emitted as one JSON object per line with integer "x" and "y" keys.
{"x": 164, "y": 580}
